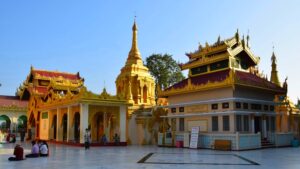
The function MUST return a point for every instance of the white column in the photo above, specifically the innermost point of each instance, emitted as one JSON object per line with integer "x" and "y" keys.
{"x": 58, "y": 125}
{"x": 253, "y": 124}
{"x": 264, "y": 127}
{"x": 123, "y": 124}
{"x": 84, "y": 115}
{"x": 68, "y": 123}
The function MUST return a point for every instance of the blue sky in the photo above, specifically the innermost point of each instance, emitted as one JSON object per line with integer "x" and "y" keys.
{"x": 94, "y": 37}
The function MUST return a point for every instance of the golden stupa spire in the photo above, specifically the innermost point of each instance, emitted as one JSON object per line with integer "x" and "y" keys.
{"x": 134, "y": 55}
{"x": 274, "y": 72}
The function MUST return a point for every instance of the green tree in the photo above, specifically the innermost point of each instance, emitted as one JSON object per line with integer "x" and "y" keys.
{"x": 165, "y": 70}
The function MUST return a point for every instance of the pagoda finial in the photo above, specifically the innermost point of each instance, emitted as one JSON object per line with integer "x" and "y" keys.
{"x": 274, "y": 72}
{"x": 134, "y": 54}
{"x": 31, "y": 67}
{"x": 134, "y": 27}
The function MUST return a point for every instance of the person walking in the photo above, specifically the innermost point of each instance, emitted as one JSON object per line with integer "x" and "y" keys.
{"x": 87, "y": 139}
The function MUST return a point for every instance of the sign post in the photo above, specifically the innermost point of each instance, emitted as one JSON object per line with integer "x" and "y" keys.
{"x": 194, "y": 137}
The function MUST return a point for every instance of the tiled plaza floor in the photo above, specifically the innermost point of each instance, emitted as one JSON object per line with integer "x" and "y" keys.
{"x": 150, "y": 157}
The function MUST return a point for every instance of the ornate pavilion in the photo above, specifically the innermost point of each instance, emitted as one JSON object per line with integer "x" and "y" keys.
{"x": 60, "y": 108}
{"x": 228, "y": 98}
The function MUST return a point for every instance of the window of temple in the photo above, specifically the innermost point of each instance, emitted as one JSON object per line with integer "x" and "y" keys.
{"x": 246, "y": 123}
{"x": 43, "y": 82}
{"x": 181, "y": 124}
{"x": 272, "y": 108}
{"x": 245, "y": 105}
{"x": 239, "y": 123}
{"x": 199, "y": 70}
{"x": 173, "y": 110}
{"x": 215, "y": 123}
{"x": 256, "y": 106}
{"x": 238, "y": 105}
{"x": 225, "y": 105}
{"x": 266, "y": 107}
{"x": 225, "y": 123}
{"x": 181, "y": 109}
{"x": 219, "y": 65}
{"x": 242, "y": 123}
{"x": 214, "y": 106}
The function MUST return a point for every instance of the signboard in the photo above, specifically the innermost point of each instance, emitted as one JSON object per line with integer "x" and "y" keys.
{"x": 194, "y": 137}
{"x": 45, "y": 115}
{"x": 197, "y": 109}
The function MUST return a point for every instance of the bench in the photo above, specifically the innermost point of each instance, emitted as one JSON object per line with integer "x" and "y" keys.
{"x": 222, "y": 145}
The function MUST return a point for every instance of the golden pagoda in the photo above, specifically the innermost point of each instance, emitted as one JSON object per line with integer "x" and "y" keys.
{"x": 137, "y": 86}
{"x": 135, "y": 82}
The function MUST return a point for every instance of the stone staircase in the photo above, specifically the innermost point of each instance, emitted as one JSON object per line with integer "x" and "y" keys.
{"x": 266, "y": 143}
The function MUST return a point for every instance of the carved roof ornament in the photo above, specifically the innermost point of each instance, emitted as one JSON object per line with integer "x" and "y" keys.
{"x": 237, "y": 35}
{"x": 248, "y": 38}
{"x": 243, "y": 42}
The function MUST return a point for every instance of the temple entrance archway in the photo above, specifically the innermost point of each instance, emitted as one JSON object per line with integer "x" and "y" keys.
{"x": 4, "y": 122}
{"x": 22, "y": 123}
{"x": 77, "y": 127}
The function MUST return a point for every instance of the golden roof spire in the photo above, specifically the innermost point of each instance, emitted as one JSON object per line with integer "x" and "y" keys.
{"x": 134, "y": 54}
{"x": 274, "y": 72}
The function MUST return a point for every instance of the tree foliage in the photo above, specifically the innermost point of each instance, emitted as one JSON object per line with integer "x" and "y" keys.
{"x": 165, "y": 70}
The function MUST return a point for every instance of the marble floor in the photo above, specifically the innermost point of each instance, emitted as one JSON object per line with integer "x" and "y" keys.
{"x": 150, "y": 157}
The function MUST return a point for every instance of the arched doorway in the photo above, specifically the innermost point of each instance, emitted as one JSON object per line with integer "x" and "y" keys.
{"x": 98, "y": 128}
{"x": 4, "y": 122}
{"x": 22, "y": 123}
{"x": 54, "y": 126}
{"x": 65, "y": 126}
{"x": 76, "y": 127}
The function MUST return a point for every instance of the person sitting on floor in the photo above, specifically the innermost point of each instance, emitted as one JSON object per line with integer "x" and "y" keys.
{"x": 44, "y": 149}
{"x": 18, "y": 152}
{"x": 34, "y": 151}
{"x": 116, "y": 139}
{"x": 104, "y": 139}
